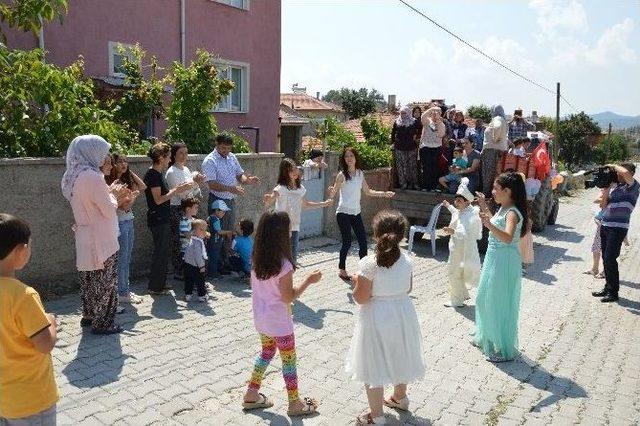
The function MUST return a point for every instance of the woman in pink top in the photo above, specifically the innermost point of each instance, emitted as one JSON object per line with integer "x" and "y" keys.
{"x": 273, "y": 292}
{"x": 96, "y": 229}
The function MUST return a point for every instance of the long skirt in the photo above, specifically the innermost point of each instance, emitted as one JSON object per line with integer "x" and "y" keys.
{"x": 99, "y": 294}
{"x": 489, "y": 161}
{"x": 406, "y": 166}
{"x": 176, "y": 255}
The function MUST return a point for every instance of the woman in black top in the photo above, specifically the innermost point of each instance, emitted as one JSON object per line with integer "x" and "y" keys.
{"x": 158, "y": 203}
{"x": 405, "y": 148}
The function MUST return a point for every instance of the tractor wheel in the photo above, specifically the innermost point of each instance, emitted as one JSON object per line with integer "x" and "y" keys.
{"x": 553, "y": 215}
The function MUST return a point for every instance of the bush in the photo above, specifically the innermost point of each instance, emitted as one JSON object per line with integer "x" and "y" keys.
{"x": 197, "y": 90}
{"x": 372, "y": 157}
{"x": 479, "y": 111}
{"x": 375, "y": 133}
{"x": 43, "y": 107}
{"x": 240, "y": 144}
{"x": 614, "y": 148}
{"x": 573, "y": 138}
{"x": 335, "y": 134}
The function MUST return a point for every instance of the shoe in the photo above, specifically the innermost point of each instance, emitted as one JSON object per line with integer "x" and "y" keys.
{"x": 86, "y": 322}
{"x": 168, "y": 286}
{"x": 188, "y": 297}
{"x": 115, "y": 329}
{"x": 159, "y": 293}
{"x": 454, "y": 305}
{"x": 424, "y": 190}
{"x": 601, "y": 293}
{"x": 609, "y": 298}
{"x": 119, "y": 309}
{"x": 202, "y": 298}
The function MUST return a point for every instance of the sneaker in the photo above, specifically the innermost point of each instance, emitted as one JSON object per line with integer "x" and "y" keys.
{"x": 202, "y": 298}
{"x": 188, "y": 297}
{"x": 130, "y": 298}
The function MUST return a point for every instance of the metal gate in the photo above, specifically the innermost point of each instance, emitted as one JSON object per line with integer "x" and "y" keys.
{"x": 311, "y": 221}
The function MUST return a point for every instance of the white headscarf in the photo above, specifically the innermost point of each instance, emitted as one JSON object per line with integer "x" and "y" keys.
{"x": 86, "y": 152}
{"x": 405, "y": 118}
{"x": 463, "y": 189}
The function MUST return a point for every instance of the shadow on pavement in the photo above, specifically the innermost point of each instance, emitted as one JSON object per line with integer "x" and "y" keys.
{"x": 98, "y": 361}
{"x": 555, "y": 255}
{"x": 568, "y": 236}
{"x": 313, "y": 319}
{"x": 279, "y": 419}
{"x": 467, "y": 311}
{"x": 165, "y": 307}
{"x": 530, "y": 373}
{"x": 631, "y": 305}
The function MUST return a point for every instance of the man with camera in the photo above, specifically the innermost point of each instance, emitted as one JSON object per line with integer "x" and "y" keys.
{"x": 618, "y": 201}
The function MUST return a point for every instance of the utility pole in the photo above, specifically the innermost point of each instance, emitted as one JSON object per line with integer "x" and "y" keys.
{"x": 556, "y": 143}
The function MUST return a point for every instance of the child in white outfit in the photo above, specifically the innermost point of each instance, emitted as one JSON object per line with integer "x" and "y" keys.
{"x": 464, "y": 260}
{"x": 386, "y": 348}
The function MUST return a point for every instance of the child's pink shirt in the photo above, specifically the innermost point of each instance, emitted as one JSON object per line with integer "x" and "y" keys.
{"x": 271, "y": 315}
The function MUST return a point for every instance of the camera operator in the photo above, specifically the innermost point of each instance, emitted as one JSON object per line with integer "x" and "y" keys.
{"x": 618, "y": 201}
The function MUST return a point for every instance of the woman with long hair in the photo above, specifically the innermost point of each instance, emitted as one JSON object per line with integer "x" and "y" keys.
{"x": 498, "y": 298}
{"x": 122, "y": 174}
{"x": 350, "y": 183}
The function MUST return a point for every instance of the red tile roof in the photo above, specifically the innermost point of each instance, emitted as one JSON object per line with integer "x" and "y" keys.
{"x": 354, "y": 127}
{"x": 304, "y": 102}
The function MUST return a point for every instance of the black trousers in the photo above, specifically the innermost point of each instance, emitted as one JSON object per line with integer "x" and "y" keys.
{"x": 429, "y": 160}
{"x": 347, "y": 222}
{"x": 611, "y": 241}
{"x": 193, "y": 277}
{"x": 160, "y": 258}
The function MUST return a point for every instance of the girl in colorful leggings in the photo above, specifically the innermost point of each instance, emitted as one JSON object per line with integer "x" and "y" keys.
{"x": 273, "y": 292}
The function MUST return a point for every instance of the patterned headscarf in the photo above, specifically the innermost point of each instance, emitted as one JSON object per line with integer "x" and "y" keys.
{"x": 497, "y": 110}
{"x": 86, "y": 152}
{"x": 405, "y": 118}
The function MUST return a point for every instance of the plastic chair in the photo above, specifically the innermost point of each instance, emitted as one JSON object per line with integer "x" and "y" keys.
{"x": 429, "y": 229}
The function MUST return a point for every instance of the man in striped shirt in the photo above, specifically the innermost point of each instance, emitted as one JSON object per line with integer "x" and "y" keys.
{"x": 617, "y": 203}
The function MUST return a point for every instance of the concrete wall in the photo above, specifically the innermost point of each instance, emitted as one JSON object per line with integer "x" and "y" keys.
{"x": 250, "y": 36}
{"x": 378, "y": 179}
{"x": 32, "y": 192}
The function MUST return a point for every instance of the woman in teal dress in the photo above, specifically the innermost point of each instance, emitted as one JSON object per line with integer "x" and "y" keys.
{"x": 498, "y": 299}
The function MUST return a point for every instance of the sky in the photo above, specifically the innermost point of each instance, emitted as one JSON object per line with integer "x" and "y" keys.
{"x": 592, "y": 47}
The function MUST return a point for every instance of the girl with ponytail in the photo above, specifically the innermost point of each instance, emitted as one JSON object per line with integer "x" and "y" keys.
{"x": 386, "y": 348}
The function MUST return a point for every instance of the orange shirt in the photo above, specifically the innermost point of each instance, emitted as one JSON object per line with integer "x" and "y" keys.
{"x": 27, "y": 383}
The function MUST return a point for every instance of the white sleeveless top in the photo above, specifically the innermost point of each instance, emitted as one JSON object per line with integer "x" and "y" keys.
{"x": 350, "y": 194}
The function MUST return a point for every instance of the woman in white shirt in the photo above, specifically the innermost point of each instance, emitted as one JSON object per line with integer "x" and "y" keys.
{"x": 177, "y": 174}
{"x": 350, "y": 183}
{"x": 433, "y": 130}
{"x": 289, "y": 196}
{"x": 495, "y": 144}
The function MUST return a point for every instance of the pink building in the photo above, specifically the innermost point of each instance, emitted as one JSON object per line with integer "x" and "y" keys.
{"x": 245, "y": 34}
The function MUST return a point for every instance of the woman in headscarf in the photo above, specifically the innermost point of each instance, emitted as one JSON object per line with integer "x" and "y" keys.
{"x": 433, "y": 131}
{"x": 495, "y": 145}
{"x": 405, "y": 149}
{"x": 96, "y": 230}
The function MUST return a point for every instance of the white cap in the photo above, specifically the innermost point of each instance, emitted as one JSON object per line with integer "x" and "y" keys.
{"x": 463, "y": 189}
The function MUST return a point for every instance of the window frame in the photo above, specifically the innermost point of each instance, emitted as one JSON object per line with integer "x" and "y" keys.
{"x": 113, "y": 50}
{"x": 245, "y": 78}
{"x": 245, "y": 4}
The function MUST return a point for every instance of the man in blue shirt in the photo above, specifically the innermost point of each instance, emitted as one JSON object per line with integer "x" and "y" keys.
{"x": 618, "y": 202}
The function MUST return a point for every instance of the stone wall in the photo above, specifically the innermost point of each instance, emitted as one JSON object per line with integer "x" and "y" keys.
{"x": 31, "y": 191}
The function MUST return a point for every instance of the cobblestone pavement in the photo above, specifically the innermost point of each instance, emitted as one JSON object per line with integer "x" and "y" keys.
{"x": 180, "y": 364}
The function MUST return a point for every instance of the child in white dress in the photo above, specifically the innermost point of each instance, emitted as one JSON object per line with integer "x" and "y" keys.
{"x": 465, "y": 230}
{"x": 386, "y": 348}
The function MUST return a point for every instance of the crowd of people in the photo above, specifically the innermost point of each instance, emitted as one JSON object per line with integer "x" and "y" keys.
{"x": 386, "y": 347}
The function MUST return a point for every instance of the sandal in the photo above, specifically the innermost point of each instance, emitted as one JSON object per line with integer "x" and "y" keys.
{"x": 366, "y": 419}
{"x": 400, "y": 404}
{"x": 262, "y": 402}
{"x": 600, "y": 275}
{"x": 310, "y": 407}
{"x": 590, "y": 272}
{"x": 346, "y": 278}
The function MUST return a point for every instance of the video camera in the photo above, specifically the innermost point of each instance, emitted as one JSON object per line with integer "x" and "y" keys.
{"x": 603, "y": 177}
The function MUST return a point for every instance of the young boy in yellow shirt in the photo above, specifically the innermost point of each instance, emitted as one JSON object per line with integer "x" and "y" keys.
{"x": 28, "y": 391}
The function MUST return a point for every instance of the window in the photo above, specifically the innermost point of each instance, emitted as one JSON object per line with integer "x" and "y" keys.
{"x": 238, "y": 99}
{"x": 240, "y": 4}
{"x": 117, "y": 53}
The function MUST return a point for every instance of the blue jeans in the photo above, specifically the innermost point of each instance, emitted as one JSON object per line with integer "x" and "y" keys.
{"x": 295, "y": 237}
{"x": 214, "y": 253}
{"x": 44, "y": 418}
{"x": 125, "y": 240}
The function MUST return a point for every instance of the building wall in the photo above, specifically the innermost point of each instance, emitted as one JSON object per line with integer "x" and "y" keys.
{"x": 36, "y": 197}
{"x": 251, "y": 36}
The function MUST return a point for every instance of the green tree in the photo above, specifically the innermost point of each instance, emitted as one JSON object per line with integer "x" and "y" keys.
{"x": 356, "y": 103}
{"x": 43, "y": 107}
{"x": 574, "y": 139}
{"x": 613, "y": 148}
{"x": 143, "y": 97}
{"x": 482, "y": 112}
{"x": 28, "y": 15}
{"x": 375, "y": 133}
{"x": 197, "y": 89}
{"x": 549, "y": 124}
{"x": 335, "y": 134}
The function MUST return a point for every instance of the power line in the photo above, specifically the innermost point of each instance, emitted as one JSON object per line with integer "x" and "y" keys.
{"x": 491, "y": 58}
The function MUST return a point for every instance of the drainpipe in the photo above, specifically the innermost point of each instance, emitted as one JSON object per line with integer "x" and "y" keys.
{"x": 41, "y": 34}
{"x": 182, "y": 32}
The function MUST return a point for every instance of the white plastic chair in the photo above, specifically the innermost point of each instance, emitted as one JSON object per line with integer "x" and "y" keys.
{"x": 429, "y": 229}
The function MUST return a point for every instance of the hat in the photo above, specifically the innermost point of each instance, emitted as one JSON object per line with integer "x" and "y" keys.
{"x": 220, "y": 205}
{"x": 315, "y": 153}
{"x": 517, "y": 113}
{"x": 463, "y": 189}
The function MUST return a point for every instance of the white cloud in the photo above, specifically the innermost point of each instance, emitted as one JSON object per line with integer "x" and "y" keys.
{"x": 613, "y": 45}
{"x": 558, "y": 16}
